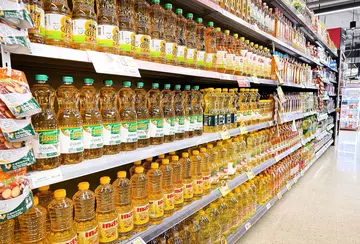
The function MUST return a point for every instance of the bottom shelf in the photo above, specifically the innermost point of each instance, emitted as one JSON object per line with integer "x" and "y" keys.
{"x": 264, "y": 208}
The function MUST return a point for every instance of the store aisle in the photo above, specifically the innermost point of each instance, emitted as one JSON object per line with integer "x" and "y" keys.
{"x": 323, "y": 207}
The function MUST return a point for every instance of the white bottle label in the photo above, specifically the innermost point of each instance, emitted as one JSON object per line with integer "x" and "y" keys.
{"x": 46, "y": 144}
{"x": 156, "y": 127}
{"x": 128, "y": 131}
{"x": 71, "y": 140}
{"x": 84, "y": 31}
{"x": 107, "y": 35}
{"x": 169, "y": 126}
{"x": 111, "y": 134}
{"x": 93, "y": 136}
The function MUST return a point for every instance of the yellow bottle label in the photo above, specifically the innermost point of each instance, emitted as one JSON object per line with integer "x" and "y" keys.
{"x": 58, "y": 26}
{"x": 142, "y": 44}
{"x": 156, "y": 208}
{"x": 189, "y": 191}
{"x": 126, "y": 222}
{"x": 141, "y": 214}
{"x": 71, "y": 241}
{"x": 206, "y": 182}
{"x": 89, "y": 236}
{"x": 108, "y": 231}
{"x": 169, "y": 201}
{"x": 179, "y": 195}
{"x": 198, "y": 187}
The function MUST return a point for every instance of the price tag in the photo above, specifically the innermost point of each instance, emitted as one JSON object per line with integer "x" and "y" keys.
{"x": 288, "y": 186}
{"x": 271, "y": 123}
{"x": 303, "y": 86}
{"x": 281, "y": 95}
{"x": 268, "y": 206}
{"x": 295, "y": 180}
{"x": 302, "y": 173}
{"x": 43, "y": 178}
{"x": 293, "y": 126}
{"x": 243, "y": 130}
{"x": 242, "y": 81}
{"x": 280, "y": 79}
{"x": 224, "y": 188}
{"x": 225, "y": 135}
{"x": 250, "y": 175}
{"x": 247, "y": 226}
{"x": 277, "y": 158}
{"x": 279, "y": 195}
{"x": 137, "y": 240}
{"x": 255, "y": 80}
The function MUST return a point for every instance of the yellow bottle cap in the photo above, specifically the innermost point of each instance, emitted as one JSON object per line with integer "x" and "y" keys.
{"x": 165, "y": 161}
{"x": 60, "y": 193}
{"x": 202, "y": 212}
{"x": 231, "y": 194}
{"x": 203, "y": 149}
{"x": 154, "y": 165}
{"x": 219, "y": 143}
{"x": 105, "y": 180}
{"x": 139, "y": 170}
{"x": 44, "y": 188}
{"x": 161, "y": 156}
{"x": 36, "y": 200}
{"x": 185, "y": 155}
{"x": 195, "y": 152}
{"x": 212, "y": 205}
{"x": 149, "y": 159}
{"x": 122, "y": 174}
{"x": 221, "y": 200}
{"x": 172, "y": 153}
{"x": 83, "y": 186}
{"x": 237, "y": 190}
{"x": 209, "y": 146}
{"x": 175, "y": 158}
{"x": 137, "y": 162}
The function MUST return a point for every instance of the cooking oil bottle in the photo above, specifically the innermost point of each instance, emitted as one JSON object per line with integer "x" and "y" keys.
{"x": 128, "y": 118}
{"x": 220, "y": 109}
{"x": 33, "y": 224}
{"x": 142, "y": 27}
{"x": 58, "y": 24}
{"x": 231, "y": 161}
{"x": 122, "y": 198}
{"x": 200, "y": 42}
{"x": 205, "y": 227}
{"x": 213, "y": 158}
{"x": 169, "y": 156}
{"x": 189, "y": 112}
{"x": 222, "y": 162}
{"x": 160, "y": 158}
{"x": 230, "y": 53}
{"x": 7, "y": 231}
{"x": 46, "y": 142}
{"x": 187, "y": 178}
{"x": 127, "y": 27}
{"x": 223, "y": 208}
{"x": 167, "y": 104}
{"x": 132, "y": 169}
{"x": 170, "y": 35}
{"x": 84, "y": 25}
{"x": 178, "y": 182}
{"x": 181, "y": 38}
{"x": 106, "y": 213}
{"x": 45, "y": 196}
{"x": 197, "y": 174}
{"x": 226, "y": 100}
{"x": 168, "y": 187}
{"x": 70, "y": 123}
{"x": 110, "y": 119}
{"x": 61, "y": 216}
{"x": 210, "y": 114}
{"x": 155, "y": 194}
{"x": 143, "y": 117}
{"x": 147, "y": 164}
{"x": 157, "y": 43}
{"x": 233, "y": 211}
{"x": 191, "y": 53}
{"x": 240, "y": 213}
{"x": 210, "y": 44}
{"x": 198, "y": 111}
{"x": 206, "y": 170}
{"x": 220, "y": 51}
{"x": 107, "y": 39}
{"x": 179, "y": 113}
{"x": 156, "y": 126}
{"x": 139, "y": 199}
{"x": 215, "y": 224}
{"x": 92, "y": 122}
{"x": 85, "y": 219}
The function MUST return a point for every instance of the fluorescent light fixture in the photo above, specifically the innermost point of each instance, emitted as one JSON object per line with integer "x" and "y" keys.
{"x": 336, "y": 11}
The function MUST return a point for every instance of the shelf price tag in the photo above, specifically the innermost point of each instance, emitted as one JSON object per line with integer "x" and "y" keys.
{"x": 224, "y": 134}
{"x": 271, "y": 123}
{"x": 277, "y": 158}
{"x": 242, "y": 81}
{"x": 224, "y": 188}
{"x": 295, "y": 179}
{"x": 250, "y": 175}
{"x": 247, "y": 226}
{"x": 279, "y": 195}
{"x": 288, "y": 186}
{"x": 302, "y": 173}
{"x": 268, "y": 206}
{"x": 44, "y": 178}
{"x": 243, "y": 130}
{"x": 137, "y": 240}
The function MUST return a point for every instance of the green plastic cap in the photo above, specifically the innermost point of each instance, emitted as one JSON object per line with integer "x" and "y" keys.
{"x": 247, "y": 41}
{"x": 67, "y": 79}
{"x": 41, "y": 77}
{"x": 177, "y": 87}
{"x": 168, "y": 6}
{"x": 108, "y": 82}
{"x": 236, "y": 35}
{"x": 140, "y": 84}
{"x": 167, "y": 86}
{"x": 179, "y": 11}
{"x": 126, "y": 83}
{"x": 155, "y": 1}
{"x": 251, "y": 44}
{"x": 218, "y": 29}
{"x": 187, "y": 87}
{"x": 211, "y": 24}
{"x": 227, "y": 32}
{"x": 199, "y": 20}
{"x": 88, "y": 81}
{"x": 256, "y": 45}
{"x": 242, "y": 38}
{"x": 155, "y": 85}
{"x": 189, "y": 16}
{"x": 196, "y": 88}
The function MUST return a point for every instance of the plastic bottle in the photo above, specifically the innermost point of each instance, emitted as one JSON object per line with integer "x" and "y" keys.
{"x": 198, "y": 111}
{"x": 147, "y": 164}
{"x": 200, "y": 41}
{"x": 197, "y": 175}
{"x": 132, "y": 169}
{"x": 222, "y": 154}
{"x": 191, "y": 53}
{"x": 187, "y": 178}
{"x": 178, "y": 182}
{"x": 169, "y": 156}
{"x": 230, "y": 53}
{"x": 189, "y": 112}
{"x": 210, "y": 114}
{"x": 167, "y": 105}
{"x": 107, "y": 39}
{"x": 128, "y": 118}
{"x": 139, "y": 199}
{"x": 70, "y": 123}
{"x": 156, "y": 126}
{"x": 233, "y": 211}
{"x": 205, "y": 230}
{"x": 142, "y": 27}
{"x": 143, "y": 116}
{"x": 220, "y": 51}
{"x": 220, "y": 109}
{"x": 210, "y": 44}
{"x": 213, "y": 154}
{"x": 160, "y": 158}
{"x": 58, "y": 24}
{"x": 168, "y": 187}
{"x": 45, "y": 196}
{"x": 85, "y": 219}
{"x": 36, "y": 11}
{"x": 181, "y": 30}
{"x": 84, "y": 25}
{"x": 170, "y": 35}
{"x": 122, "y": 195}
{"x": 110, "y": 119}
{"x": 106, "y": 213}
{"x": 224, "y": 216}
{"x": 231, "y": 161}
{"x": 46, "y": 142}
{"x": 215, "y": 224}
{"x": 126, "y": 26}
{"x": 206, "y": 170}
{"x": 61, "y": 216}
{"x": 240, "y": 212}
{"x": 155, "y": 194}
{"x": 7, "y": 231}
{"x": 179, "y": 113}
{"x": 185, "y": 234}
{"x": 157, "y": 43}
{"x": 92, "y": 121}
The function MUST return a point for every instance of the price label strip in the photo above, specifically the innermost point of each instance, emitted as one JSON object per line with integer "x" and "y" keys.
{"x": 225, "y": 134}
{"x": 255, "y": 80}
{"x": 268, "y": 206}
{"x": 137, "y": 240}
{"x": 242, "y": 81}
{"x": 243, "y": 130}
{"x": 288, "y": 186}
{"x": 250, "y": 175}
{"x": 279, "y": 195}
{"x": 247, "y": 226}
{"x": 224, "y": 188}
{"x": 44, "y": 178}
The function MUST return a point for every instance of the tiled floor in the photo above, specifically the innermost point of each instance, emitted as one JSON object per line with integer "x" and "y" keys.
{"x": 323, "y": 207}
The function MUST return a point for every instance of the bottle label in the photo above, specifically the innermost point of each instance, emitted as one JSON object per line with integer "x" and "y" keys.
{"x": 108, "y": 231}
{"x": 15, "y": 159}
{"x": 230, "y": 61}
{"x": 190, "y": 123}
{"x": 198, "y": 187}
{"x": 156, "y": 208}
{"x": 126, "y": 222}
{"x": 227, "y": 118}
{"x": 71, "y": 140}
{"x": 207, "y": 182}
{"x": 199, "y": 122}
{"x": 73, "y": 240}
{"x": 169, "y": 126}
{"x": 142, "y": 44}
{"x": 220, "y": 59}
{"x": 179, "y": 195}
{"x": 46, "y": 144}
{"x": 180, "y": 124}
{"x": 58, "y": 26}
{"x": 223, "y": 172}
{"x": 191, "y": 55}
{"x": 210, "y": 120}
{"x": 214, "y": 177}
{"x": 231, "y": 168}
{"x": 188, "y": 191}
{"x": 221, "y": 119}
{"x": 210, "y": 60}
{"x": 200, "y": 60}
{"x": 128, "y": 131}
{"x": 127, "y": 41}
{"x": 171, "y": 51}
{"x": 233, "y": 118}
{"x": 157, "y": 48}
{"x": 169, "y": 201}
{"x": 141, "y": 214}
{"x": 156, "y": 127}
{"x": 89, "y": 236}
{"x": 111, "y": 133}
{"x": 143, "y": 131}
{"x": 84, "y": 31}
{"x": 181, "y": 53}
{"x": 38, "y": 16}
{"x": 93, "y": 136}
{"x": 107, "y": 36}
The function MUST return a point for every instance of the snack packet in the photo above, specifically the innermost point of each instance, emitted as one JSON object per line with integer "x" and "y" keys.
{"x": 15, "y": 13}
{"x": 14, "y": 39}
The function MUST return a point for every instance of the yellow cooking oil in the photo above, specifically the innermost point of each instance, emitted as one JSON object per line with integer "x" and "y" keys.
{"x": 92, "y": 120}
{"x": 225, "y": 218}
{"x": 198, "y": 111}
{"x": 167, "y": 105}
{"x": 189, "y": 112}
{"x": 155, "y": 194}
{"x": 205, "y": 227}
{"x": 126, "y": 10}
{"x": 181, "y": 37}
{"x": 191, "y": 52}
{"x": 187, "y": 178}
{"x": 233, "y": 211}
{"x": 197, "y": 175}
{"x": 231, "y": 158}
{"x": 147, "y": 164}
{"x": 157, "y": 43}
{"x": 210, "y": 111}
{"x": 142, "y": 27}
{"x": 143, "y": 117}
{"x": 222, "y": 162}
{"x": 226, "y": 107}
{"x": 7, "y": 231}
{"x": 213, "y": 159}
{"x": 215, "y": 222}
{"x": 178, "y": 182}
{"x": 156, "y": 126}
{"x": 45, "y": 196}
{"x": 107, "y": 38}
{"x": 233, "y": 108}
{"x": 170, "y": 35}
{"x": 132, "y": 169}
{"x": 168, "y": 187}
{"x": 238, "y": 196}
{"x": 179, "y": 113}
{"x": 253, "y": 189}
{"x": 220, "y": 110}
{"x": 206, "y": 170}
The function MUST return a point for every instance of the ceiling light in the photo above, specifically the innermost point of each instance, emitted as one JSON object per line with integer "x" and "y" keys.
{"x": 333, "y": 11}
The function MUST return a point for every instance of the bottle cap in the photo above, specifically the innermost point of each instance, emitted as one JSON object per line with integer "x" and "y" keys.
{"x": 185, "y": 155}
{"x": 108, "y": 82}
{"x": 237, "y": 190}
{"x": 219, "y": 143}
{"x": 199, "y": 20}
{"x": 83, "y": 186}
{"x": 155, "y": 85}
{"x": 209, "y": 146}
{"x": 211, "y": 24}
{"x": 195, "y": 152}
{"x": 154, "y": 165}
{"x": 168, "y": 6}
{"x": 221, "y": 200}
{"x": 36, "y": 200}
{"x": 137, "y": 162}
{"x": 242, "y": 38}
{"x": 105, "y": 180}
{"x": 187, "y": 87}
{"x": 88, "y": 81}
{"x": 139, "y": 170}
{"x": 251, "y": 44}
{"x": 212, "y": 205}
{"x": 231, "y": 194}
{"x": 189, "y": 16}
{"x": 41, "y": 77}
{"x": 203, "y": 149}
{"x": 218, "y": 29}
{"x": 167, "y": 86}
{"x": 126, "y": 83}
{"x": 196, "y": 88}
{"x": 140, "y": 84}
{"x": 227, "y": 32}
{"x": 256, "y": 45}
{"x": 161, "y": 156}
{"x": 175, "y": 158}
{"x": 172, "y": 153}
{"x": 155, "y": 1}
{"x": 67, "y": 79}
{"x": 60, "y": 193}
{"x": 179, "y": 11}
{"x": 149, "y": 159}
{"x": 122, "y": 174}
{"x": 236, "y": 35}
{"x": 165, "y": 161}
{"x": 44, "y": 188}
{"x": 247, "y": 41}
{"x": 202, "y": 212}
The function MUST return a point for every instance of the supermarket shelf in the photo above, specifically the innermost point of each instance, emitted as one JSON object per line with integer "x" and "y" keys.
{"x": 295, "y": 116}
{"x": 321, "y": 135}
{"x": 67, "y": 172}
{"x": 322, "y": 116}
{"x": 329, "y": 127}
{"x": 332, "y": 95}
{"x": 300, "y": 86}
{"x": 331, "y": 111}
{"x": 266, "y": 207}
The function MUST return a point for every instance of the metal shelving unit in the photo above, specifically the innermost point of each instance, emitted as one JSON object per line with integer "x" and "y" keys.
{"x": 287, "y": 117}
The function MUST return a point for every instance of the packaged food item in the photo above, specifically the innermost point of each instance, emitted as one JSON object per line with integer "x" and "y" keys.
{"x": 14, "y": 13}
{"x": 14, "y": 39}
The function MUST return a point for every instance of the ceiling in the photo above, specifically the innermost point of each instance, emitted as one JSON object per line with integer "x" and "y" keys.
{"x": 321, "y": 4}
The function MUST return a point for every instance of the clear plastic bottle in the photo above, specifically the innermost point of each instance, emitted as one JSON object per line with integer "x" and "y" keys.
{"x": 187, "y": 178}
{"x": 46, "y": 142}
{"x": 167, "y": 104}
{"x": 170, "y": 35}
{"x": 213, "y": 154}
{"x": 70, "y": 123}
{"x": 168, "y": 187}
{"x": 126, "y": 25}
{"x": 220, "y": 51}
{"x": 85, "y": 218}
{"x": 122, "y": 195}
{"x": 224, "y": 216}
{"x": 107, "y": 39}
{"x": 189, "y": 112}
{"x": 178, "y": 182}
{"x": 61, "y": 216}
{"x": 143, "y": 116}
{"x": 157, "y": 43}
{"x": 175, "y": 238}
{"x": 156, "y": 126}
{"x": 132, "y": 169}
{"x": 198, "y": 110}
{"x": 200, "y": 41}
{"x": 139, "y": 199}
{"x": 197, "y": 175}
{"x": 110, "y": 119}
{"x": 191, "y": 53}
{"x": 45, "y": 196}
{"x": 222, "y": 155}
{"x": 92, "y": 121}
{"x": 230, "y": 53}
{"x": 210, "y": 111}
{"x": 181, "y": 30}
{"x": 155, "y": 194}
{"x": 105, "y": 212}
{"x": 128, "y": 118}
{"x": 7, "y": 232}
{"x": 205, "y": 230}
{"x": 210, "y": 44}
{"x": 233, "y": 211}
{"x": 179, "y": 113}
{"x": 185, "y": 234}
{"x": 147, "y": 164}
{"x": 215, "y": 222}
{"x": 206, "y": 170}
{"x": 142, "y": 27}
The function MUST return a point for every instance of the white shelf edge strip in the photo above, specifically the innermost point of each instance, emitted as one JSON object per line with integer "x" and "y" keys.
{"x": 288, "y": 117}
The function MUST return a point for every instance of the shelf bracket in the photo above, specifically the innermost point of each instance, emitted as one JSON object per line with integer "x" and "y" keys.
{"x": 5, "y": 60}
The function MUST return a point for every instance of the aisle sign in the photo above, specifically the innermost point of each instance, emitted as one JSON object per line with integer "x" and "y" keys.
{"x": 224, "y": 188}
{"x": 247, "y": 226}
{"x": 279, "y": 195}
{"x": 268, "y": 206}
{"x": 250, "y": 175}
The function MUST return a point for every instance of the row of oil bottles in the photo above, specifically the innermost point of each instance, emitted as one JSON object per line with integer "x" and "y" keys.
{"x": 128, "y": 206}
{"x": 301, "y": 102}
